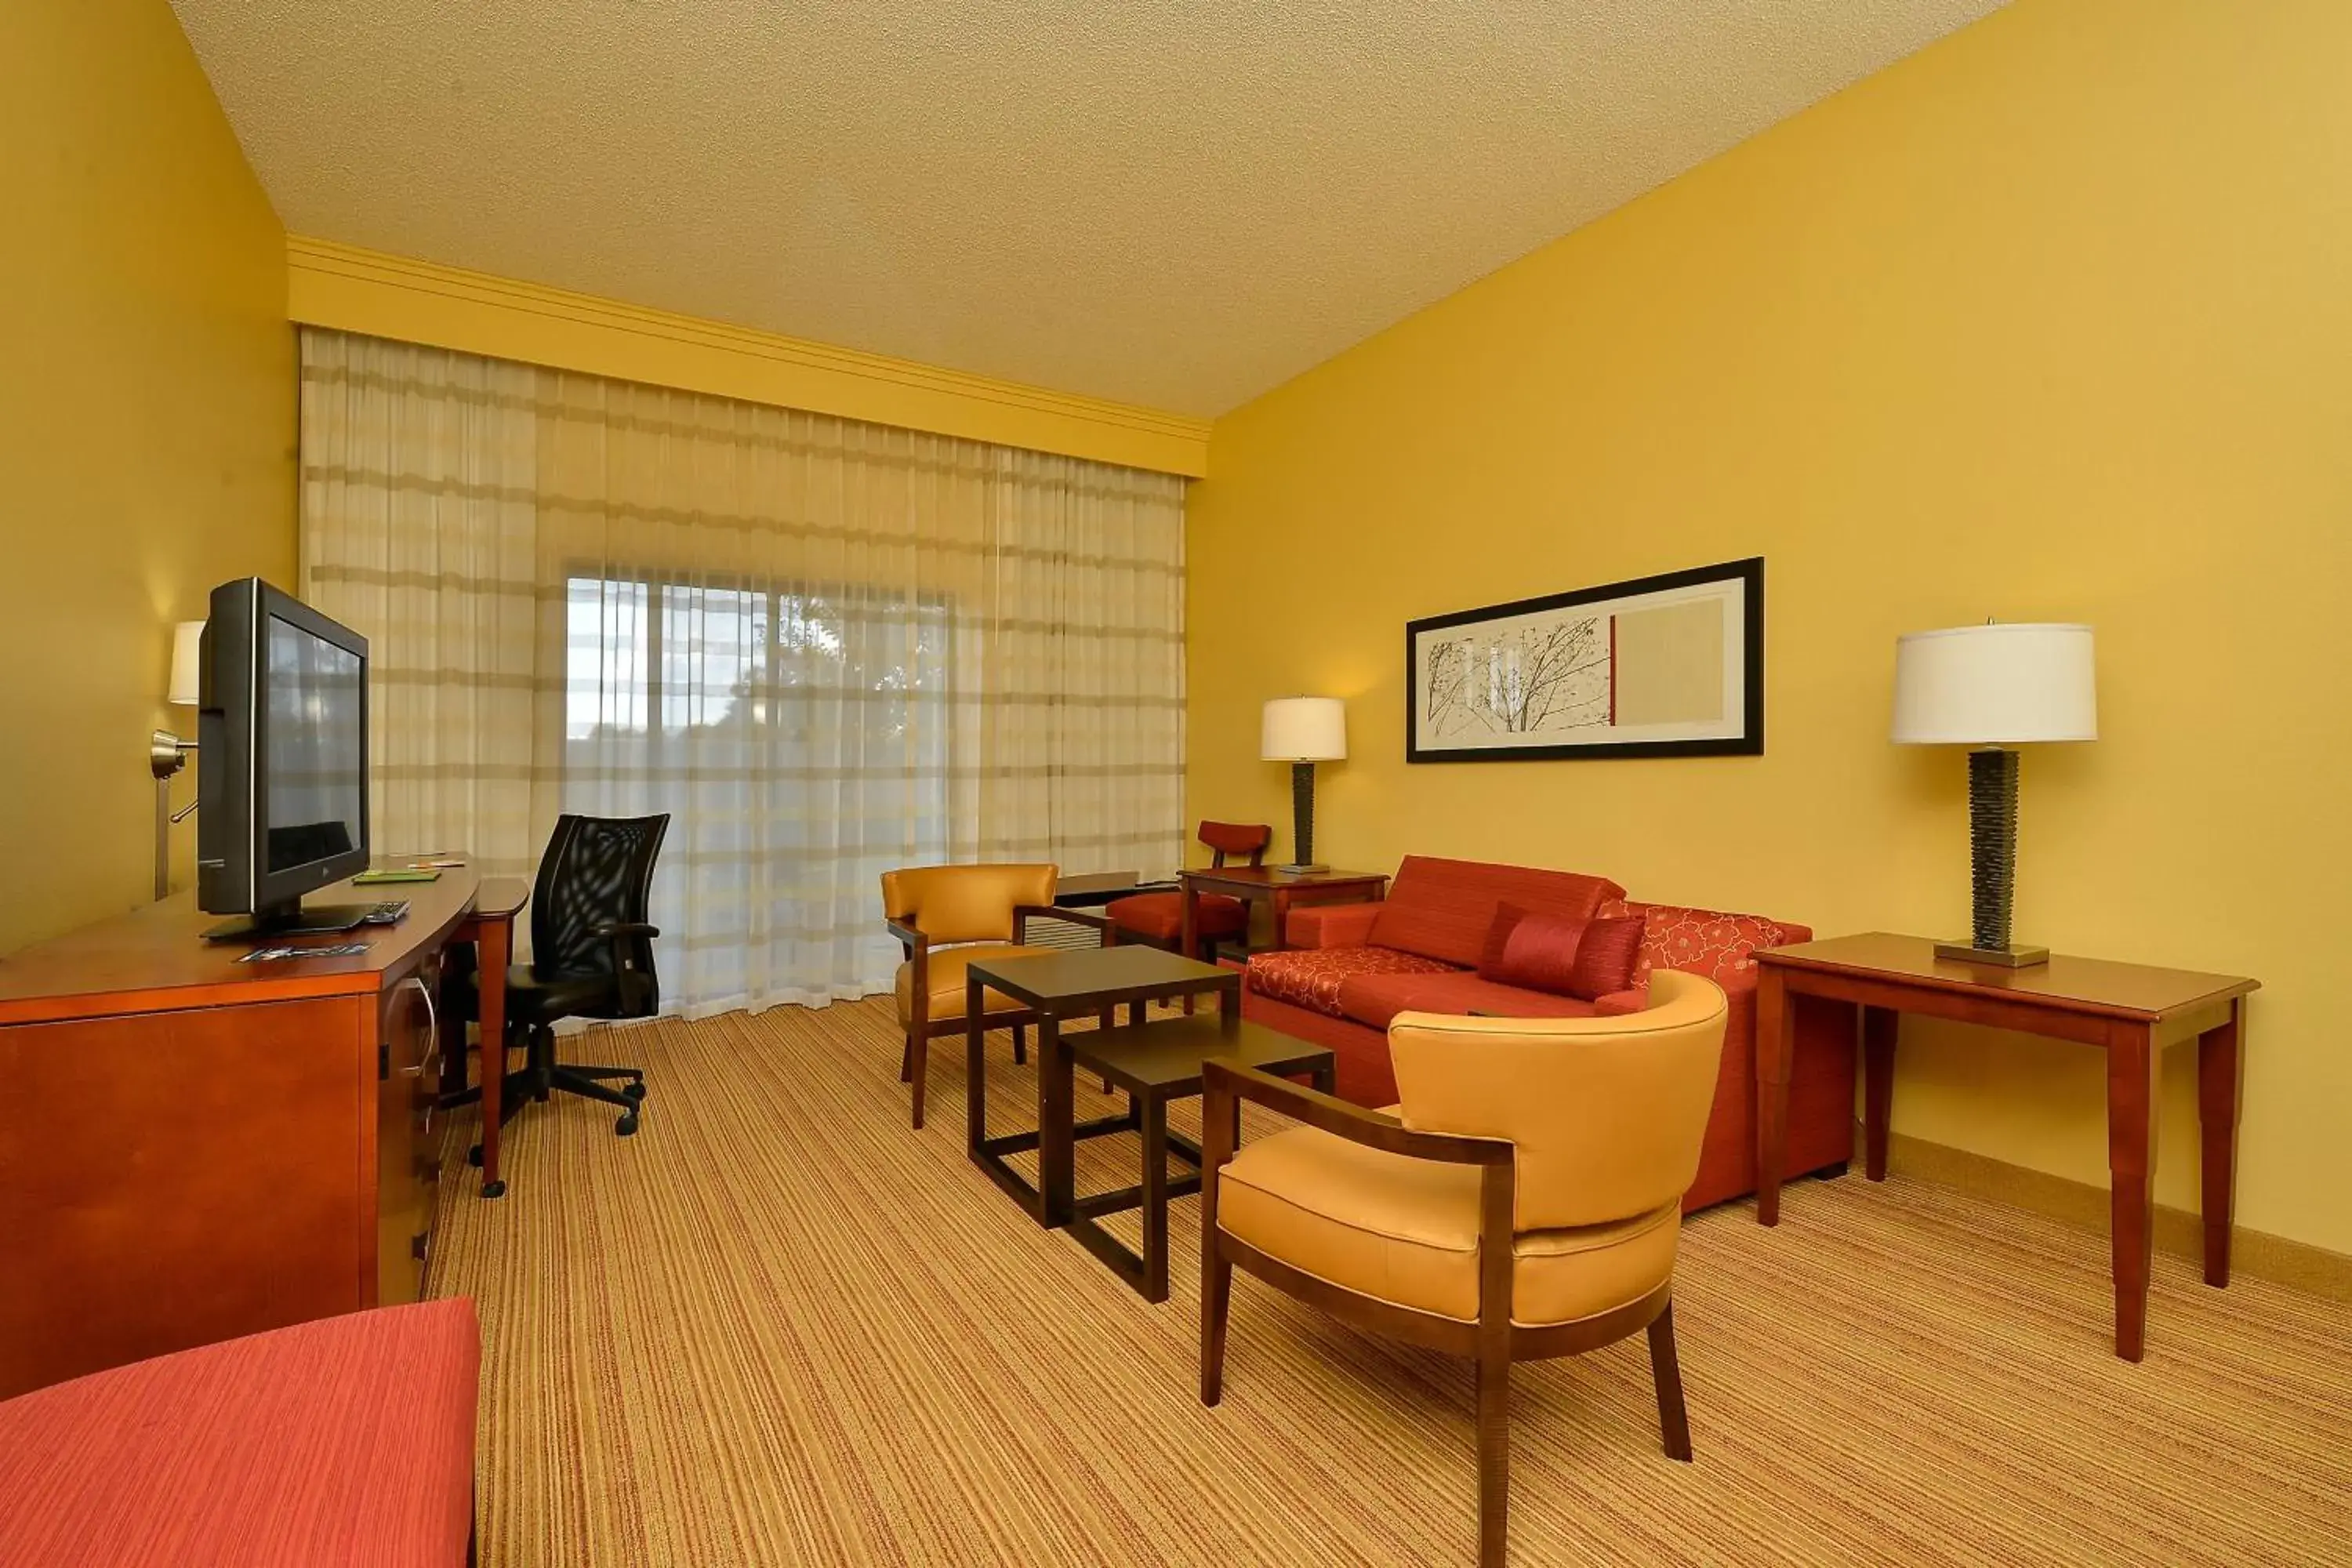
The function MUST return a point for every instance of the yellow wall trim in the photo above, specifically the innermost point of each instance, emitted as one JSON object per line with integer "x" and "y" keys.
{"x": 2179, "y": 1232}
{"x": 355, "y": 291}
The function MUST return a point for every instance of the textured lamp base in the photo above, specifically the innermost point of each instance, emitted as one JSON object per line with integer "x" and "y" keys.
{"x": 1992, "y": 866}
{"x": 1302, "y": 820}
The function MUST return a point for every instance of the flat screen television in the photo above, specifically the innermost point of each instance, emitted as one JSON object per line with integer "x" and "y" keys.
{"x": 282, "y": 762}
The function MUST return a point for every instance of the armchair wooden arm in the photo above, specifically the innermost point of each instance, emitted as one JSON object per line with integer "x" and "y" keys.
{"x": 909, "y": 937}
{"x": 1101, "y": 924}
{"x": 1225, "y": 1084}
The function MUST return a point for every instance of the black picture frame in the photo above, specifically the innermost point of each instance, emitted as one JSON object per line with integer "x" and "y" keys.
{"x": 1748, "y": 741}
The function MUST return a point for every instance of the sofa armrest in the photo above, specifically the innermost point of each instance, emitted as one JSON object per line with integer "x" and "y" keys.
{"x": 1331, "y": 925}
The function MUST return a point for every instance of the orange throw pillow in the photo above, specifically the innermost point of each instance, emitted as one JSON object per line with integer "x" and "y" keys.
{"x": 1559, "y": 956}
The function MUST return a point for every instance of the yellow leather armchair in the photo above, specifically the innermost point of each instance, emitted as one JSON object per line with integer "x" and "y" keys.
{"x": 1523, "y": 1200}
{"x": 946, "y": 916}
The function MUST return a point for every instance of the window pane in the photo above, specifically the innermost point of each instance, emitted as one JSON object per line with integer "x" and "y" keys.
{"x": 604, "y": 657}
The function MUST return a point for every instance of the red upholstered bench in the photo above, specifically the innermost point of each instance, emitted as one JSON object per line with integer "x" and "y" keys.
{"x": 346, "y": 1441}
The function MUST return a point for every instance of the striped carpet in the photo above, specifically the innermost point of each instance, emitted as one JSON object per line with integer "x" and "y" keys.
{"x": 780, "y": 1327}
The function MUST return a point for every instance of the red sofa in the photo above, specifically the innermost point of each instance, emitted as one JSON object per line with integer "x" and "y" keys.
{"x": 1349, "y": 968}
{"x": 343, "y": 1440}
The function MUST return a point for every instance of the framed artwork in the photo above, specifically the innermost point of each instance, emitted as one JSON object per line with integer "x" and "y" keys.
{"x": 1671, "y": 665}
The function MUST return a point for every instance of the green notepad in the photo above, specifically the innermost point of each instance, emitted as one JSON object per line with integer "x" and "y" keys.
{"x": 365, "y": 877}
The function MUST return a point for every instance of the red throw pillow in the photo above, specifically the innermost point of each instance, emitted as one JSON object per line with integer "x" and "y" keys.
{"x": 1560, "y": 957}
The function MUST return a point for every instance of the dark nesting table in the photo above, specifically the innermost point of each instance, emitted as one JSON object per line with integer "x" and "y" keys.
{"x": 1154, "y": 1062}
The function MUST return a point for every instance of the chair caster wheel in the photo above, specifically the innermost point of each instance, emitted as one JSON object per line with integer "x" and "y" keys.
{"x": 474, "y": 1156}
{"x": 497, "y": 1189}
{"x": 635, "y": 1091}
{"x": 627, "y": 1125}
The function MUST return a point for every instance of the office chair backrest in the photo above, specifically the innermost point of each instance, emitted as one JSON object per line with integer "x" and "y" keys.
{"x": 598, "y": 871}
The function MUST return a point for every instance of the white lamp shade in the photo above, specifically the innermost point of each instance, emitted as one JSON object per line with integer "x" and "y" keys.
{"x": 186, "y": 669}
{"x": 1304, "y": 730}
{"x": 1995, "y": 686}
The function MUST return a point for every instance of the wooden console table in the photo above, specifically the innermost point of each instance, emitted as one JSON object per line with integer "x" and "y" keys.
{"x": 197, "y": 1149}
{"x": 1272, "y": 885}
{"x": 2130, "y": 1011}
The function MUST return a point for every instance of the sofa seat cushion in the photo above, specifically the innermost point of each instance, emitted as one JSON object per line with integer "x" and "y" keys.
{"x": 1160, "y": 916}
{"x": 1444, "y": 909}
{"x": 1405, "y": 1231}
{"x": 344, "y": 1440}
{"x": 1311, "y": 978}
{"x": 1373, "y": 1000}
{"x": 946, "y": 979}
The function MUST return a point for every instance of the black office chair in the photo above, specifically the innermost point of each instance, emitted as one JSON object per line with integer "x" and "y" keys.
{"x": 592, "y": 957}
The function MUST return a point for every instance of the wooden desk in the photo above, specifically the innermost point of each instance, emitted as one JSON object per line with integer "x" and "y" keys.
{"x": 1272, "y": 885}
{"x": 2128, "y": 1010}
{"x": 196, "y": 1148}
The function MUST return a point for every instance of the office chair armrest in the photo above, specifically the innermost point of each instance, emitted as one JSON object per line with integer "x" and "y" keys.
{"x": 630, "y": 981}
{"x": 1101, "y": 923}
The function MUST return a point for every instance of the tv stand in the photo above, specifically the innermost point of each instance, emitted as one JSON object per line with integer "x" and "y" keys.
{"x": 295, "y": 919}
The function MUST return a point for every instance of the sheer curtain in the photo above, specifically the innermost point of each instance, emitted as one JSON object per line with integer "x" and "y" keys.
{"x": 827, "y": 648}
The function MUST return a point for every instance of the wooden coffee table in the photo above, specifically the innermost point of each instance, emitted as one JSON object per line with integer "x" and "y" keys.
{"x": 1157, "y": 1062}
{"x": 1154, "y": 1062}
{"x": 1056, "y": 986}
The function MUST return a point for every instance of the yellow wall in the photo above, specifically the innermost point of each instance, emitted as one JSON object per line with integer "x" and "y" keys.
{"x": 2052, "y": 321}
{"x": 146, "y": 430}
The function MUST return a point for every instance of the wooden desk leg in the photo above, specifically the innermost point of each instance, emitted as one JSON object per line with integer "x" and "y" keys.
{"x": 1281, "y": 918}
{"x": 1877, "y": 1086}
{"x": 1056, "y": 1161}
{"x": 1155, "y": 1197}
{"x": 1775, "y": 1043}
{"x": 492, "y": 954}
{"x": 2221, "y": 1082}
{"x": 2131, "y": 1166}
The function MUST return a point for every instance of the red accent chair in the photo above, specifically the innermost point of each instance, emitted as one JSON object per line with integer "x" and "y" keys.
{"x": 1350, "y": 968}
{"x": 1157, "y": 919}
{"x": 347, "y": 1440}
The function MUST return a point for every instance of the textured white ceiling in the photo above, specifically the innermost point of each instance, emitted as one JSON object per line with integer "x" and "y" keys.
{"x": 1175, "y": 203}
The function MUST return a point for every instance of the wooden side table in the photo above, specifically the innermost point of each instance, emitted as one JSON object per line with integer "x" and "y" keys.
{"x": 2128, "y": 1010}
{"x": 1272, "y": 885}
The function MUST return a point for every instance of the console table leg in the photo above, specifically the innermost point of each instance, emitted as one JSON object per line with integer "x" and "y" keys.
{"x": 2131, "y": 1166}
{"x": 1878, "y": 1024}
{"x": 1774, "y": 1044}
{"x": 2220, "y": 1081}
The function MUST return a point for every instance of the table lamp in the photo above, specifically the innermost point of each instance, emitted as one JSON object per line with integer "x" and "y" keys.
{"x": 1994, "y": 688}
{"x": 1303, "y": 731}
{"x": 166, "y": 752}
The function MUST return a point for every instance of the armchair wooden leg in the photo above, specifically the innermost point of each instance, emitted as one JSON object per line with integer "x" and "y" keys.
{"x": 906, "y": 1061}
{"x": 920, "y": 1045}
{"x": 1216, "y": 1291}
{"x": 1220, "y": 1113}
{"x": 1667, "y": 1373}
{"x": 1493, "y": 1456}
